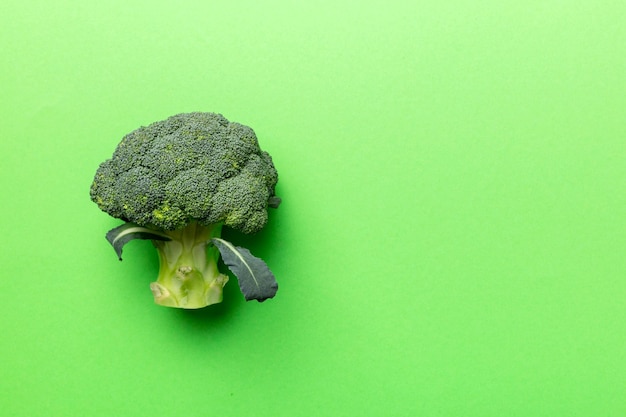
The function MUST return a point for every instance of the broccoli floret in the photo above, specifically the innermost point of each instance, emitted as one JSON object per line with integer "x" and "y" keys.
{"x": 177, "y": 182}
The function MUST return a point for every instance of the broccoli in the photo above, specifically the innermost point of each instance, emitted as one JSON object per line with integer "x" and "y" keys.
{"x": 177, "y": 182}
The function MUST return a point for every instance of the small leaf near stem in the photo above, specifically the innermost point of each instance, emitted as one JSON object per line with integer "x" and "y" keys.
{"x": 256, "y": 281}
{"x": 123, "y": 234}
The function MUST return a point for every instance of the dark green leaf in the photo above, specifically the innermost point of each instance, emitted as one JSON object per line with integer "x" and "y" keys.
{"x": 274, "y": 202}
{"x": 123, "y": 234}
{"x": 256, "y": 281}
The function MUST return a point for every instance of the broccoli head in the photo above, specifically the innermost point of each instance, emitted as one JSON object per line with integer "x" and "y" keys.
{"x": 177, "y": 182}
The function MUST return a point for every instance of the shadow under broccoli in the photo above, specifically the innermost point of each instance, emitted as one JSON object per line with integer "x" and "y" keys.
{"x": 177, "y": 182}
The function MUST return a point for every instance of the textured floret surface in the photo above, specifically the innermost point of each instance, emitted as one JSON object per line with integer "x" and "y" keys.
{"x": 190, "y": 167}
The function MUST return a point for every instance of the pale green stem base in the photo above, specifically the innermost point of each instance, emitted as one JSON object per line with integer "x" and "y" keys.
{"x": 188, "y": 274}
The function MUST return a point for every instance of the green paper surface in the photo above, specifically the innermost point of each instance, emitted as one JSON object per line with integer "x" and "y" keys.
{"x": 451, "y": 240}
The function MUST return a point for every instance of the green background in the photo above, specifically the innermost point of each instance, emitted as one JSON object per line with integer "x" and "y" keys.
{"x": 452, "y": 235}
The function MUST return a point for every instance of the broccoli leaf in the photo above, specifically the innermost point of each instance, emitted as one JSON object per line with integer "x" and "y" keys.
{"x": 274, "y": 202}
{"x": 123, "y": 234}
{"x": 256, "y": 281}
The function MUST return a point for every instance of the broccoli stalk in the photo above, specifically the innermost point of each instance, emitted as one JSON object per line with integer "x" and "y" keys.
{"x": 188, "y": 274}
